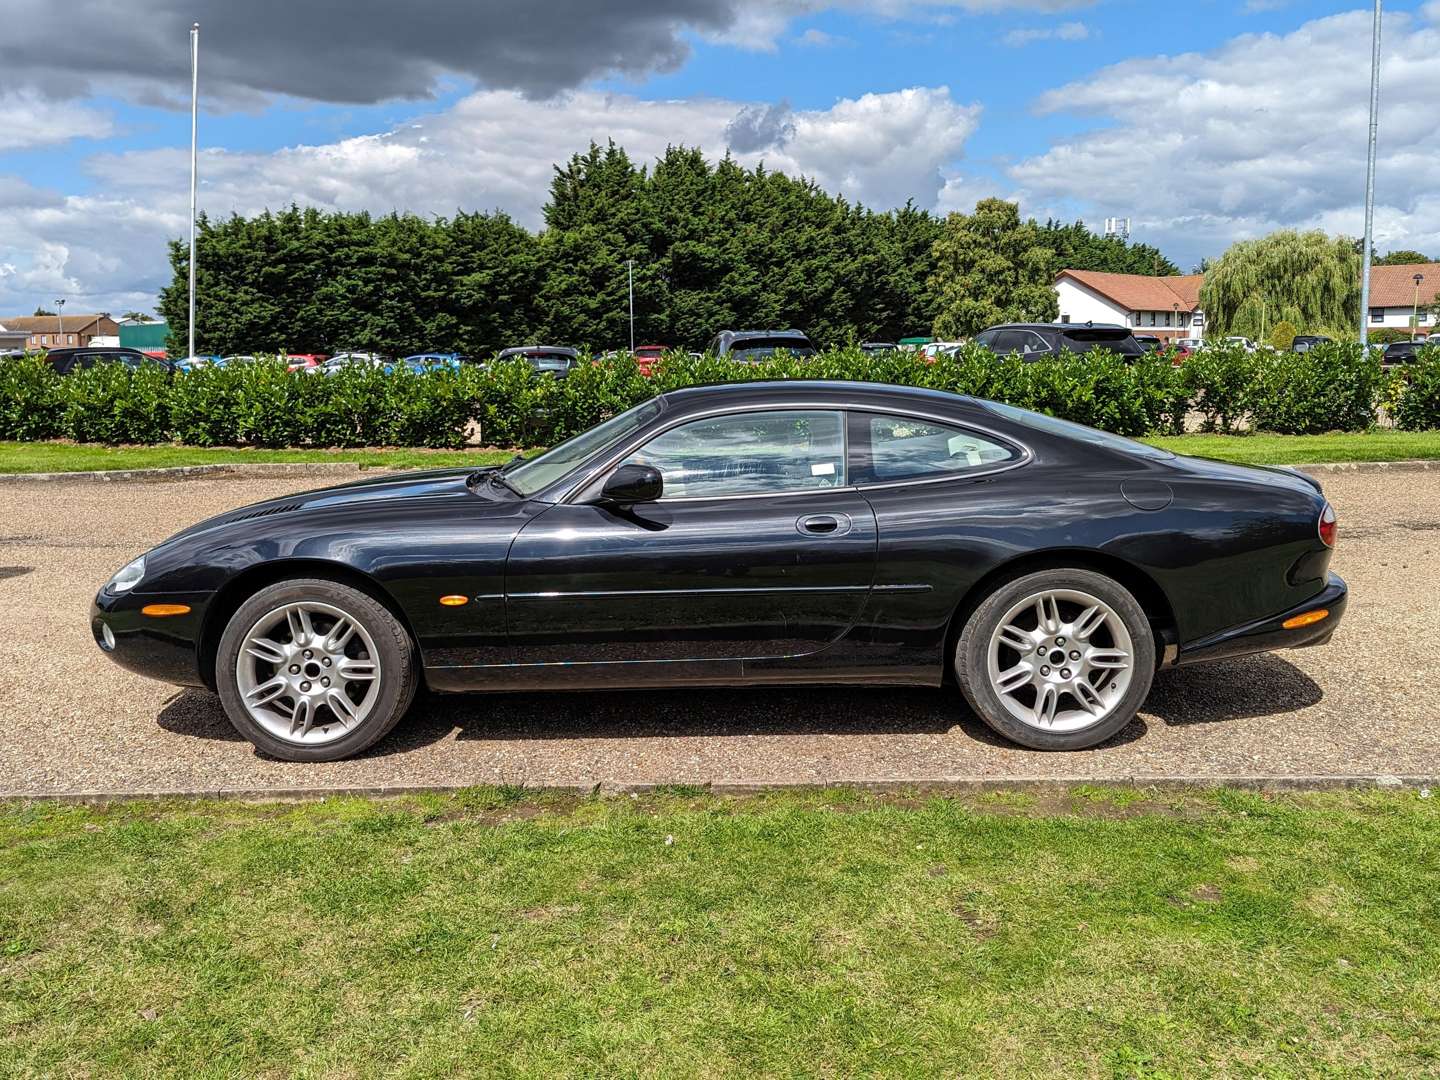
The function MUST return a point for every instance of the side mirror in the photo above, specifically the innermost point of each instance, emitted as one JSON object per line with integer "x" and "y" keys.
{"x": 630, "y": 484}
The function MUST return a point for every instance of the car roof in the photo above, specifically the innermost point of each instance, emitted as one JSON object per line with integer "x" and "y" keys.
{"x": 1056, "y": 326}
{"x": 517, "y": 350}
{"x": 736, "y": 335}
{"x": 827, "y": 392}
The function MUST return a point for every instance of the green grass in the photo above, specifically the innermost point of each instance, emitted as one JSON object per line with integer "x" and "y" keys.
{"x": 1307, "y": 449}
{"x": 17, "y": 457}
{"x": 28, "y": 457}
{"x": 831, "y": 933}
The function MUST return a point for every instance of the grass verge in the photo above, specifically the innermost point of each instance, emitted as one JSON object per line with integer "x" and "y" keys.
{"x": 1096, "y": 932}
{"x": 1307, "y": 449}
{"x": 32, "y": 457}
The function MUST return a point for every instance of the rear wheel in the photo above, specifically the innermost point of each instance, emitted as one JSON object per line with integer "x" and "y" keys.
{"x": 312, "y": 670}
{"x": 1057, "y": 660}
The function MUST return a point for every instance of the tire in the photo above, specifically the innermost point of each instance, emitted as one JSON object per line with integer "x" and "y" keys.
{"x": 1014, "y": 690}
{"x": 281, "y": 664}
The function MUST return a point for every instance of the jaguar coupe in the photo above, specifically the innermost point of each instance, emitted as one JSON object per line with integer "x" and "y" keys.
{"x": 766, "y": 533}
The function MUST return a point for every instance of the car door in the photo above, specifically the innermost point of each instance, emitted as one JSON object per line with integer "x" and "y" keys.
{"x": 758, "y": 547}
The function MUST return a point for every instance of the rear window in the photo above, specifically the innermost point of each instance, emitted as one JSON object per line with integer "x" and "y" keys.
{"x": 762, "y": 348}
{"x": 1050, "y": 425}
{"x": 1116, "y": 341}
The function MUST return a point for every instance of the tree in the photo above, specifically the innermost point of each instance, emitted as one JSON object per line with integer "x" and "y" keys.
{"x": 1402, "y": 258}
{"x": 990, "y": 267}
{"x": 136, "y": 317}
{"x": 42, "y": 310}
{"x": 1283, "y": 336}
{"x": 1308, "y": 279}
{"x": 1077, "y": 248}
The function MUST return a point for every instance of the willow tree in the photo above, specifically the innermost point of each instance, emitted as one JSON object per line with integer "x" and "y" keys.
{"x": 1308, "y": 279}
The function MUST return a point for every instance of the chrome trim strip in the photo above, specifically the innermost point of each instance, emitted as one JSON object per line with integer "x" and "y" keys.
{"x": 746, "y": 590}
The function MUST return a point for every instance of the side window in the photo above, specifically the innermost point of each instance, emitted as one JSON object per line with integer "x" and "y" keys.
{"x": 749, "y": 454}
{"x": 1033, "y": 342}
{"x": 987, "y": 339}
{"x": 890, "y": 448}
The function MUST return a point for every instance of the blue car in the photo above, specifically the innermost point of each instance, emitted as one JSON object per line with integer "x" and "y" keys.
{"x": 432, "y": 361}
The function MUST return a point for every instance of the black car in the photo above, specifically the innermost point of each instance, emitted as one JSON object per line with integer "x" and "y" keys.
{"x": 771, "y": 533}
{"x": 1401, "y": 352}
{"x": 1149, "y": 342}
{"x": 752, "y": 346}
{"x": 65, "y": 361}
{"x": 1306, "y": 342}
{"x": 556, "y": 360}
{"x": 875, "y": 348}
{"x": 1031, "y": 341}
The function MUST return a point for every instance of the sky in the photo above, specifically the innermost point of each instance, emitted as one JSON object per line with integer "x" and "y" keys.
{"x": 1203, "y": 121}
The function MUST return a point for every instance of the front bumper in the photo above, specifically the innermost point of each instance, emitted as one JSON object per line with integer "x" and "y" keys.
{"x": 1269, "y": 634}
{"x": 164, "y": 647}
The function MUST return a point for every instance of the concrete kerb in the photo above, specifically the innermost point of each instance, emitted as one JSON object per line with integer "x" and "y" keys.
{"x": 937, "y": 785}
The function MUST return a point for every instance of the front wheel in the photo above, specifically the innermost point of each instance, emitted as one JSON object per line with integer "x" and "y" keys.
{"x": 312, "y": 670}
{"x": 1057, "y": 660}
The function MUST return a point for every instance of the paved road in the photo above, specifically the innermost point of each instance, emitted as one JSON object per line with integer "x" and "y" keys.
{"x": 1367, "y": 704}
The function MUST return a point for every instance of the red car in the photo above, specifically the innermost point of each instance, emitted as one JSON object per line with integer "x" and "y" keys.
{"x": 296, "y": 361}
{"x": 646, "y": 356}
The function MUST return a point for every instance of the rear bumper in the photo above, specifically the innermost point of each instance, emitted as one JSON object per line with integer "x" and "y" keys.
{"x": 1269, "y": 634}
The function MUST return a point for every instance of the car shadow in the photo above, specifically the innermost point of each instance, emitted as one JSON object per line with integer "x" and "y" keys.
{"x": 652, "y": 714}
{"x": 1245, "y": 688}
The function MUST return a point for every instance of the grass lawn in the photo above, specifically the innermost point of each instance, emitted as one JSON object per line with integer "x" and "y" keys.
{"x": 23, "y": 457}
{"x": 1096, "y": 932}
{"x": 1381, "y": 445}
{"x": 16, "y": 457}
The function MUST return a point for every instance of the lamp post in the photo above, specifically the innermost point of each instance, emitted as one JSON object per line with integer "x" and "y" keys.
{"x": 630, "y": 263}
{"x": 194, "y": 130}
{"x": 1415, "y": 314}
{"x": 60, "y": 322}
{"x": 1370, "y": 178}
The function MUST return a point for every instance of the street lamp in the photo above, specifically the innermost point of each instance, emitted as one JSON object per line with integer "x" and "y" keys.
{"x": 194, "y": 115}
{"x": 630, "y": 264}
{"x": 1370, "y": 178}
{"x": 60, "y": 320}
{"x": 1415, "y": 314}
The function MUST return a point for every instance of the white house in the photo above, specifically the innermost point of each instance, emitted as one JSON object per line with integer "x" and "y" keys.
{"x": 1168, "y": 307}
{"x": 1394, "y": 295}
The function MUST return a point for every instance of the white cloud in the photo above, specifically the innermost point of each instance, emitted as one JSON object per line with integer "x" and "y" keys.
{"x": 818, "y": 39}
{"x": 1066, "y": 31}
{"x": 1266, "y": 131}
{"x": 493, "y": 149}
{"x": 32, "y": 121}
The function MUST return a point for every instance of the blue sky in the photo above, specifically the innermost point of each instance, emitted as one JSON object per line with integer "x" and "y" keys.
{"x": 1206, "y": 122}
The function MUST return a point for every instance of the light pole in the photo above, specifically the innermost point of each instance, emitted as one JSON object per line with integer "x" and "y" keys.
{"x": 630, "y": 264}
{"x": 1415, "y": 314}
{"x": 194, "y": 130}
{"x": 60, "y": 321}
{"x": 1370, "y": 178}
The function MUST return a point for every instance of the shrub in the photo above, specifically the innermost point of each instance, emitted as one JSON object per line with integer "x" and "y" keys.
{"x": 1418, "y": 407}
{"x": 1218, "y": 381}
{"x": 1332, "y": 387}
{"x": 1283, "y": 336}
{"x": 31, "y": 405}
{"x": 112, "y": 403}
{"x": 1386, "y": 335}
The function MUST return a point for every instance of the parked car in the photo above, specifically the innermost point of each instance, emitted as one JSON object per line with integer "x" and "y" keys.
{"x": 753, "y": 346}
{"x": 1401, "y": 352}
{"x": 304, "y": 361}
{"x": 751, "y": 534}
{"x": 434, "y": 361}
{"x": 1189, "y": 343}
{"x": 190, "y": 363}
{"x": 66, "y": 361}
{"x": 931, "y": 349}
{"x": 340, "y": 361}
{"x": 1235, "y": 339}
{"x": 1433, "y": 339}
{"x": 874, "y": 348}
{"x": 237, "y": 358}
{"x": 647, "y": 356}
{"x": 1034, "y": 340}
{"x": 1306, "y": 342}
{"x": 1149, "y": 342}
{"x": 556, "y": 360}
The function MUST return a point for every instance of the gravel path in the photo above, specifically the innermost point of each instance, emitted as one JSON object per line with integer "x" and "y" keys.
{"x": 74, "y": 722}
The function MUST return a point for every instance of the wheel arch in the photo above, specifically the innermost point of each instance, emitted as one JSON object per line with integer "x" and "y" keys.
{"x": 1146, "y": 590}
{"x": 254, "y": 578}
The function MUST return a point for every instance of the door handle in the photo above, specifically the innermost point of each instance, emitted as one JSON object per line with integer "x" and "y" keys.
{"x": 824, "y": 525}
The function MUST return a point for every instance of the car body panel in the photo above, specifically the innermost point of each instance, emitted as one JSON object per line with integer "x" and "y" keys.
{"x": 563, "y": 590}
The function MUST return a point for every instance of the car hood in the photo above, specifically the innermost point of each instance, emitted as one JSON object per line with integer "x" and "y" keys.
{"x": 386, "y": 487}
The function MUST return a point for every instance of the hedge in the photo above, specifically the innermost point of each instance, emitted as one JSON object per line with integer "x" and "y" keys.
{"x": 1334, "y": 387}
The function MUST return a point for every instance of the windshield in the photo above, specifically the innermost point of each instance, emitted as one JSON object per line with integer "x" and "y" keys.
{"x": 1052, "y": 426}
{"x": 540, "y": 472}
{"x": 755, "y": 349}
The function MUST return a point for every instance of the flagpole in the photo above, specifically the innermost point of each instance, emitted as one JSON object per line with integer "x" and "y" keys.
{"x": 194, "y": 130}
{"x": 1370, "y": 180}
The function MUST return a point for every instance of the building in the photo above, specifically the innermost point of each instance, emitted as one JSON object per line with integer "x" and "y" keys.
{"x": 1168, "y": 307}
{"x": 145, "y": 336}
{"x": 59, "y": 332}
{"x": 1393, "y": 296}
{"x": 12, "y": 340}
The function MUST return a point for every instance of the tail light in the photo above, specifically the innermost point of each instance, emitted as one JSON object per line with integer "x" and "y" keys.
{"x": 1327, "y": 526}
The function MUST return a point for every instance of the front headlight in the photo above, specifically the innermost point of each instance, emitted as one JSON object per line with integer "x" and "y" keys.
{"x": 128, "y": 576}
